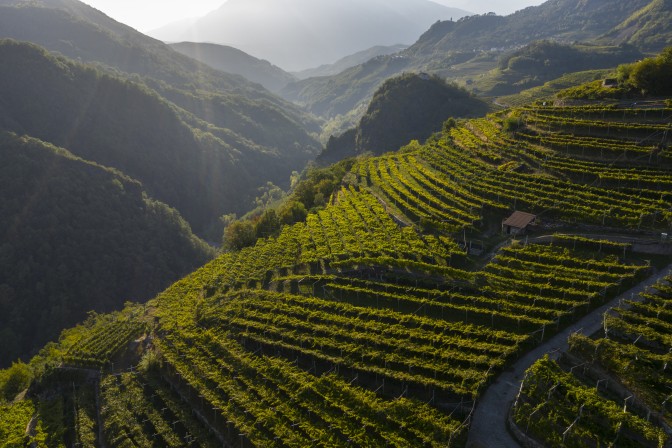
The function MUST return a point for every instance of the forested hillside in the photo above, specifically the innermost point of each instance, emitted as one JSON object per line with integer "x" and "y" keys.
{"x": 646, "y": 28}
{"x": 232, "y": 60}
{"x": 76, "y": 236}
{"x": 406, "y": 108}
{"x": 242, "y": 118}
{"x": 126, "y": 126}
{"x": 543, "y": 61}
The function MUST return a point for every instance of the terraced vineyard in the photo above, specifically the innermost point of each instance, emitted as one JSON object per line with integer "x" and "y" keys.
{"x": 613, "y": 389}
{"x": 370, "y": 323}
{"x": 103, "y": 342}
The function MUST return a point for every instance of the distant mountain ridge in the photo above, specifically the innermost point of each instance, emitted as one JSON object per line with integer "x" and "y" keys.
{"x": 350, "y": 61}
{"x": 232, "y": 60}
{"x": 449, "y": 43}
{"x": 486, "y": 6}
{"x": 300, "y": 34}
{"x": 564, "y": 20}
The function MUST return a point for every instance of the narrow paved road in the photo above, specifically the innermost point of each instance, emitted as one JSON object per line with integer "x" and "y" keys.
{"x": 488, "y": 426}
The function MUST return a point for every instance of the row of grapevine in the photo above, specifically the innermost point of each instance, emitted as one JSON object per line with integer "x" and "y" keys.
{"x": 268, "y": 401}
{"x": 335, "y": 332}
{"x": 102, "y": 342}
{"x": 139, "y": 410}
{"x": 557, "y": 409}
{"x": 604, "y": 113}
{"x": 355, "y": 230}
{"x": 601, "y": 133}
{"x": 581, "y": 158}
{"x": 541, "y": 193}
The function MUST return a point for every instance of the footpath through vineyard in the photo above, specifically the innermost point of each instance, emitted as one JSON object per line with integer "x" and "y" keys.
{"x": 489, "y": 427}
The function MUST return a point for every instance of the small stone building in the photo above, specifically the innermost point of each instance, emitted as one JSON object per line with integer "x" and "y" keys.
{"x": 518, "y": 223}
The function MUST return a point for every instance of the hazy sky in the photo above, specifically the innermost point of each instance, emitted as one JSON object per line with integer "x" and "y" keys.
{"x": 146, "y": 15}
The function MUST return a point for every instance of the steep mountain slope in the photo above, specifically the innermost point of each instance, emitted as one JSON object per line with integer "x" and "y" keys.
{"x": 200, "y": 140}
{"x": 81, "y": 32}
{"x": 247, "y": 118}
{"x": 448, "y": 46}
{"x": 409, "y": 107}
{"x": 74, "y": 237}
{"x": 300, "y": 34}
{"x": 543, "y": 61}
{"x": 648, "y": 28}
{"x": 566, "y": 20}
{"x": 232, "y": 60}
{"x": 202, "y": 170}
{"x": 486, "y": 6}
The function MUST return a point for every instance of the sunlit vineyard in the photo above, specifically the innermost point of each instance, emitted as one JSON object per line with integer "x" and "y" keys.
{"x": 102, "y": 342}
{"x": 372, "y": 323}
{"x": 613, "y": 389}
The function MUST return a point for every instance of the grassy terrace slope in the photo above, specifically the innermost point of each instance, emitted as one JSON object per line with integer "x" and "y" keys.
{"x": 369, "y": 324}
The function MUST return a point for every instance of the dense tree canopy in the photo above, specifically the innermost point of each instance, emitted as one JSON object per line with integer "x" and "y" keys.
{"x": 651, "y": 76}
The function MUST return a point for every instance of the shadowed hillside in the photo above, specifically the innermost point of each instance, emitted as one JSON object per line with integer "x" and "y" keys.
{"x": 76, "y": 236}
{"x": 409, "y": 107}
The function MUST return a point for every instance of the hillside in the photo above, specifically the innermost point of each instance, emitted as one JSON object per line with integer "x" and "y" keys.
{"x": 381, "y": 318}
{"x": 540, "y": 62}
{"x": 128, "y": 127}
{"x": 330, "y": 96}
{"x": 564, "y": 20}
{"x": 409, "y": 107}
{"x": 77, "y": 30}
{"x": 247, "y": 121}
{"x": 76, "y": 236}
{"x": 468, "y": 48}
{"x": 550, "y": 88}
{"x": 232, "y": 60}
{"x": 647, "y": 28}
{"x": 301, "y": 34}
{"x": 198, "y": 140}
